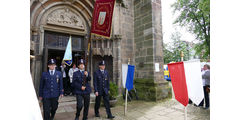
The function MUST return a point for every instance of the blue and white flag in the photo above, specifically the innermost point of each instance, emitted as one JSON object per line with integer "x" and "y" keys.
{"x": 127, "y": 76}
{"x": 68, "y": 53}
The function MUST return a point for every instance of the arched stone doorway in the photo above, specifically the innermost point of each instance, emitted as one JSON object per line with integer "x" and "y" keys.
{"x": 52, "y": 22}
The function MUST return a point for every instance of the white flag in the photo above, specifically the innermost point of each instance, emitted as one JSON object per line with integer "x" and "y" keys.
{"x": 194, "y": 81}
{"x": 124, "y": 74}
{"x": 68, "y": 53}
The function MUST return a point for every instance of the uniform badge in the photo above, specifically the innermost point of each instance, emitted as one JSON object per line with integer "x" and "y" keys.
{"x": 57, "y": 78}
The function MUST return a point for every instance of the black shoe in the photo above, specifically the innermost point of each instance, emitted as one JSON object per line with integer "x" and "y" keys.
{"x": 84, "y": 118}
{"x": 199, "y": 106}
{"x": 111, "y": 117}
{"x": 206, "y": 108}
{"x": 51, "y": 118}
{"x": 97, "y": 115}
{"x": 76, "y": 118}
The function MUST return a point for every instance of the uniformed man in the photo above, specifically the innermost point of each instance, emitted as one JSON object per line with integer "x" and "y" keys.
{"x": 51, "y": 87}
{"x": 82, "y": 90}
{"x": 101, "y": 88}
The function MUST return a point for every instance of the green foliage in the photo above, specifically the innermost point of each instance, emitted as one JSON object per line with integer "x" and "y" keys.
{"x": 195, "y": 15}
{"x": 200, "y": 48}
{"x": 168, "y": 55}
{"x": 113, "y": 92}
{"x": 173, "y": 50}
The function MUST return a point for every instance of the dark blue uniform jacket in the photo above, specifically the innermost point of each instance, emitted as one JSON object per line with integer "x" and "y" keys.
{"x": 78, "y": 82}
{"x": 101, "y": 82}
{"x": 51, "y": 85}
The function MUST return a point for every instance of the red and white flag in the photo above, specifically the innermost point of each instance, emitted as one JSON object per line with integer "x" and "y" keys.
{"x": 187, "y": 81}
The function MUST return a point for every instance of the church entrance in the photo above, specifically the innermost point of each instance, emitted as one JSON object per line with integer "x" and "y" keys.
{"x": 55, "y": 45}
{"x": 59, "y": 54}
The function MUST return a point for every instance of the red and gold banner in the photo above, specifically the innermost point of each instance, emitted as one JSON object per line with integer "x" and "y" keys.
{"x": 102, "y": 17}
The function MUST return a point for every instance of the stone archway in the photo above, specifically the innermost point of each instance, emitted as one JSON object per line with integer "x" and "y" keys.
{"x": 68, "y": 17}
{"x": 66, "y": 20}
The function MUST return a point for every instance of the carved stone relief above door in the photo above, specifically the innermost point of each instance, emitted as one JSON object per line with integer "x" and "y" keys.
{"x": 65, "y": 17}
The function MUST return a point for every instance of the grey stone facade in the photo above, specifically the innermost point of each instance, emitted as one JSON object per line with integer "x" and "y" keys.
{"x": 149, "y": 50}
{"x": 136, "y": 35}
{"x": 123, "y": 25}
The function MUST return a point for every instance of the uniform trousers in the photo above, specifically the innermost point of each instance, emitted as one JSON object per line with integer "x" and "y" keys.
{"x": 80, "y": 99}
{"x": 65, "y": 86}
{"x": 50, "y": 106}
{"x": 206, "y": 96}
{"x": 106, "y": 103}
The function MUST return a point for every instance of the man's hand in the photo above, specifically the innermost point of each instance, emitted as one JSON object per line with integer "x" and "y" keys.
{"x": 40, "y": 98}
{"x": 61, "y": 96}
{"x": 96, "y": 93}
{"x": 86, "y": 73}
{"x": 83, "y": 87}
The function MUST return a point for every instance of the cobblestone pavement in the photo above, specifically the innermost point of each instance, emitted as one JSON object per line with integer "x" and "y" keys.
{"x": 137, "y": 110}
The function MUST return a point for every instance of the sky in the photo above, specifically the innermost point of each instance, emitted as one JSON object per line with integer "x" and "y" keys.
{"x": 168, "y": 28}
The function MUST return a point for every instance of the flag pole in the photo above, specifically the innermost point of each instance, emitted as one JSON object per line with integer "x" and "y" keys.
{"x": 86, "y": 58}
{"x": 185, "y": 113}
{"x": 88, "y": 50}
{"x": 185, "y": 107}
{"x": 125, "y": 111}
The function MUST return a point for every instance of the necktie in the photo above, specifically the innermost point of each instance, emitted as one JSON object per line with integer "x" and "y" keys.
{"x": 51, "y": 72}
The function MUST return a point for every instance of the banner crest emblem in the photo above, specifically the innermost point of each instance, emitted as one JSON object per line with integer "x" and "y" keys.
{"x": 101, "y": 18}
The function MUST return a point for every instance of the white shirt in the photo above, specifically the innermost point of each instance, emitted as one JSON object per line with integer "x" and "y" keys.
{"x": 52, "y": 73}
{"x": 63, "y": 71}
{"x": 81, "y": 71}
{"x": 203, "y": 80}
{"x": 70, "y": 73}
{"x": 207, "y": 80}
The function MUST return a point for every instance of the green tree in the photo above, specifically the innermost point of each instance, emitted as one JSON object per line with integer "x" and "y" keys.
{"x": 195, "y": 15}
{"x": 173, "y": 50}
{"x": 168, "y": 55}
{"x": 179, "y": 45}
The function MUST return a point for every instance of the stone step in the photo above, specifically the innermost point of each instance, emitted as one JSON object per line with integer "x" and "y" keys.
{"x": 66, "y": 100}
{"x": 71, "y": 100}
